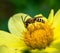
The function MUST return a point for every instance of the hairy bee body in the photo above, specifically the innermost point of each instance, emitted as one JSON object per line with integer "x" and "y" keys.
{"x": 32, "y": 20}
{"x": 35, "y": 19}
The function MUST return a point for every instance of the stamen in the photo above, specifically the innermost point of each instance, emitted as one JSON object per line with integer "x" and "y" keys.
{"x": 39, "y": 35}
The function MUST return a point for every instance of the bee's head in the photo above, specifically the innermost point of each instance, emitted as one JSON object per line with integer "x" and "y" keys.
{"x": 29, "y": 21}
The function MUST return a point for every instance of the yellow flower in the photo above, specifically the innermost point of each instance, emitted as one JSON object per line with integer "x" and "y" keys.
{"x": 41, "y": 35}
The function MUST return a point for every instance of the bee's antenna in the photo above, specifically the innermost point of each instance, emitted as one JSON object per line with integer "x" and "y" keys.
{"x": 23, "y": 19}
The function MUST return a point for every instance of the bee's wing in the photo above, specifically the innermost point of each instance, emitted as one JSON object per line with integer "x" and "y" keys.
{"x": 16, "y": 25}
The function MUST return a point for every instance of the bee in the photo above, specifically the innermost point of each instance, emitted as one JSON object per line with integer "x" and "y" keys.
{"x": 38, "y": 19}
{"x": 32, "y": 20}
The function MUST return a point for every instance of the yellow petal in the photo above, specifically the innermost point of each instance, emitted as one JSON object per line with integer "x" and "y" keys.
{"x": 44, "y": 18}
{"x": 56, "y": 44}
{"x": 11, "y": 41}
{"x": 4, "y": 49}
{"x": 56, "y": 20}
{"x": 56, "y": 25}
{"x": 16, "y": 25}
{"x": 50, "y": 17}
{"x": 21, "y": 50}
{"x": 51, "y": 50}
{"x": 38, "y": 51}
{"x": 57, "y": 32}
{"x": 38, "y": 15}
{"x": 46, "y": 50}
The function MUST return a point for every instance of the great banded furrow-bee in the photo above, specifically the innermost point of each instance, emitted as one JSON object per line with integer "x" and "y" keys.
{"x": 32, "y": 20}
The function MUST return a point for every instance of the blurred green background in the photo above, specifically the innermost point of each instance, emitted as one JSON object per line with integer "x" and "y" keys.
{"x": 31, "y": 7}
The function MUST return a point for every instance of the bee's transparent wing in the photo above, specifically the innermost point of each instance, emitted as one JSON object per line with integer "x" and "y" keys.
{"x": 16, "y": 25}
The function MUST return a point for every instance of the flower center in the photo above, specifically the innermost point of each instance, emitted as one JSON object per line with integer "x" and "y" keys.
{"x": 38, "y": 35}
